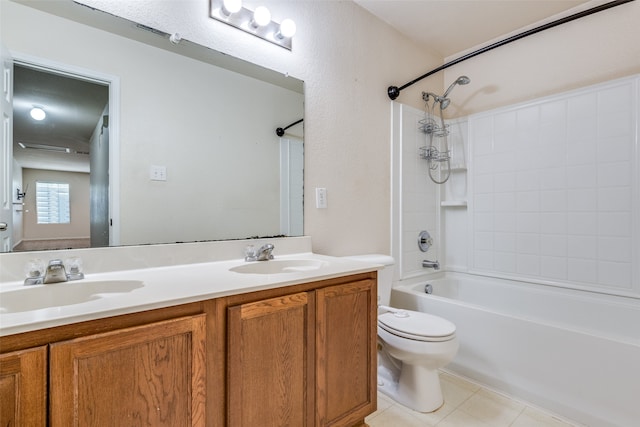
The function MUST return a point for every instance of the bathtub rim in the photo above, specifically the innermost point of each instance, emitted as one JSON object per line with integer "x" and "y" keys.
{"x": 631, "y": 299}
{"x": 411, "y": 287}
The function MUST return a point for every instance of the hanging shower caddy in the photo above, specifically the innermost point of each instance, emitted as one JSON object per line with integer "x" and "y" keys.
{"x": 430, "y": 152}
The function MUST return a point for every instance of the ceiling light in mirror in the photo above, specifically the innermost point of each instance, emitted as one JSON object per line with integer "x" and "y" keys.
{"x": 37, "y": 113}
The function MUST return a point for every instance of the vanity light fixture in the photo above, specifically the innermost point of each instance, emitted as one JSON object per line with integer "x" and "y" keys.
{"x": 287, "y": 29}
{"x": 261, "y": 17}
{"x": 256, "y": 22}
{"x": 37, "y": 113}
{"x": 230, "y": 6}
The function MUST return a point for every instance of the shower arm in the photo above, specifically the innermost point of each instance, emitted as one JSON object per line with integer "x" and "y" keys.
{"x": 394, "y": 91}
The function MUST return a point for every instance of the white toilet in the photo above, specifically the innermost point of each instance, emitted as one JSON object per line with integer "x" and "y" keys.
{"x": 412, "y": 346}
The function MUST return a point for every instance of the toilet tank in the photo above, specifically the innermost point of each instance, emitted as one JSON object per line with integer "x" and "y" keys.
{"x": 385, "y": 276}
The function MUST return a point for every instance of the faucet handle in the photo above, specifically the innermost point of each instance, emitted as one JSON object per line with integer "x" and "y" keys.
{"x": 250, "y": 253}
{"x": 74, "y": 268}
{"x": 34, "y": 268}
{"x": 34, "y": 272}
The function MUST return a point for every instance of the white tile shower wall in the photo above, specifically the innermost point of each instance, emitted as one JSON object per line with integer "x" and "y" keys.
{"x": 454, "y": 196}
{"x": 419, "y": 197}
{"x": 554, "y": 189}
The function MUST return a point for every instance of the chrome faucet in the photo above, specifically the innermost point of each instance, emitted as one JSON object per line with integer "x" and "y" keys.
{"x": 431, "y": 264}
{"x": 264, "y": 253}
{"x": 55, "y": 272}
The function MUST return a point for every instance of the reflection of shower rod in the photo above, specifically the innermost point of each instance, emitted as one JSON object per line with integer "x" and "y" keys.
{"x": 433, "y": 154}
{"x": 430, "y": 127}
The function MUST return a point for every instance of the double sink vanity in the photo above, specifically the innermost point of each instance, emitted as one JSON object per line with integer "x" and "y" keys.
{"x": 190, "y": 335}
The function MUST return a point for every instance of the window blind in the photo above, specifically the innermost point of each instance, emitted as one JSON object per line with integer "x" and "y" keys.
{"x": 52, "y": 203}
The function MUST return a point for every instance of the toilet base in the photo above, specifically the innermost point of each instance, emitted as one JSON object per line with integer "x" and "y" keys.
{"x": 413, "y": 386}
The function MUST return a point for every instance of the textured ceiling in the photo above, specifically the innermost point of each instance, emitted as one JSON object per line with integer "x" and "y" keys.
{"x": 73, "y": 109}
{"x": 447, "y": 27}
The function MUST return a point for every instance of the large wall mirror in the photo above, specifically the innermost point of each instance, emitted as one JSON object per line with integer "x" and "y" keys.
{"x": 181, "y": 143}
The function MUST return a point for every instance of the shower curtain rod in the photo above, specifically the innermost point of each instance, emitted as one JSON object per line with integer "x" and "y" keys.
{"x": 280, "y": 131}
{"x": 394, "y": 91}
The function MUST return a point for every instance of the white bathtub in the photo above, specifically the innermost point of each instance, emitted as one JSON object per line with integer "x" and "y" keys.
{"x": 574, "y": 353}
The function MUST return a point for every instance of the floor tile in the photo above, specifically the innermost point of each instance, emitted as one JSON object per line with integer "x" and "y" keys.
{"x": 460, "y": 418}
{"x": 492, "y": 408}
{"x": 396, "y": 416}
{"x": 456, "y": 390}
{"x": 533, "y": 418}
{"x": 466, "y": 405}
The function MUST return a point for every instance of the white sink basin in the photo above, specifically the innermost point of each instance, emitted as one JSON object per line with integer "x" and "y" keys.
{"x": 37, "y": 297}
{"x": 279, "y": 266}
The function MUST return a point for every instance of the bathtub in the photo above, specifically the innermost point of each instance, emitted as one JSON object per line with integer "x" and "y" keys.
{"x": 574, "y": 353}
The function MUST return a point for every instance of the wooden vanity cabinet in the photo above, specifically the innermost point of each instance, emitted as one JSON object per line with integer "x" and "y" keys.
{"x": 23, "y": 387}
{"x": 147, "y": 368}
{"x": 346, "y": 357}
{"x": 303, "y": 359}
{"x": 301, "y": 355}
{"x": 145, "y": 375}
{"x": 270, "y": 362}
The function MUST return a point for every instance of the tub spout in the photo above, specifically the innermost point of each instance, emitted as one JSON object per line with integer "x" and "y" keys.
{"x": 431, "y": 264}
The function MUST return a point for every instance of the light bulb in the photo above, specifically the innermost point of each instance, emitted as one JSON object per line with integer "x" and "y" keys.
{"x": 37, "y": 113}
{"x": 287, "y": 29}
{"x": 231, "y": 6}
{"x": 261, "y": 17}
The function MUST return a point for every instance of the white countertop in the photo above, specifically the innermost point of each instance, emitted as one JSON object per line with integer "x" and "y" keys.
{"x": 159, "y": 287}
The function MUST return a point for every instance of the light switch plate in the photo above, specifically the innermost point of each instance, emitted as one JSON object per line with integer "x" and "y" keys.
{"x": 158, "y": 173}
{"x": 321, "y": 198}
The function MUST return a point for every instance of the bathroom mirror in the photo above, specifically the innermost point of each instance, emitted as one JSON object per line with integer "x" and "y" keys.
{"x": 194, "y": 151}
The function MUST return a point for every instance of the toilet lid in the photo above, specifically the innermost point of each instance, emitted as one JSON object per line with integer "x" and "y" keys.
{"x": 417, "y": 325}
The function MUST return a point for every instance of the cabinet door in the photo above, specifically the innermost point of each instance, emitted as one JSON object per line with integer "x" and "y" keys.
{"x": 346, "y": 337}
{"x": 151, "y": 375}
{"x": 23, "y": 388}
{"x": 270, "y": 362}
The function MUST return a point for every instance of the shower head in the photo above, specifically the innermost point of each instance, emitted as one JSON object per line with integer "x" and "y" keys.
{"x": 462, "y": 80}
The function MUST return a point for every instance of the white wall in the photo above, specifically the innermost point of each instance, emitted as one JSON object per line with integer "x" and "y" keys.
{"x": 597, "y": 48}
{"x": 415, "y": 205}
{"x": 554, "y": 189}
{"x": 347, "y": 59}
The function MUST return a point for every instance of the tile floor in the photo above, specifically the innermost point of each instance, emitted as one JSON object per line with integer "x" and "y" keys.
{"x": 466, "y": 405}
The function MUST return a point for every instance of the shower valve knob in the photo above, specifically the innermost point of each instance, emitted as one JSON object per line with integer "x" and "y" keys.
{"x": 424, "y": 241}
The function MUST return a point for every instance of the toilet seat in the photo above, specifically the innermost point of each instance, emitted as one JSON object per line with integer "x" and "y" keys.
{"x": 417, "y": 326}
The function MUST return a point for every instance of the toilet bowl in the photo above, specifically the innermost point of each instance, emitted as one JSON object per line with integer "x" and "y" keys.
{"x": 412, "y": 346}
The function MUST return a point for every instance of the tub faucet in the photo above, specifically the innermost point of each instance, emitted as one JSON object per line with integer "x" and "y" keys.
{"x": 55, "y": 272}
{"x": 431, "y": 264}
{"x": 264, "y": 253}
